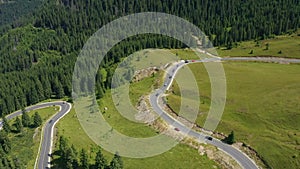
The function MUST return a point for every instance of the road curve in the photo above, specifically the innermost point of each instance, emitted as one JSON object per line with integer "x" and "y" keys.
{"x": 239, "y": 156}
{"x": 43, "y": 158}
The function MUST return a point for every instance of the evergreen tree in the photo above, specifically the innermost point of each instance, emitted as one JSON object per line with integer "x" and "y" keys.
{"x": 71, "y": 159}
{"x": 230, "y": 139}
{"x": 58, "y": 89}
{"x": 229, "y": 44}
{"x": 5, "y": 142}
{"x": 68, "y": 154}
{"x": 100, "y": 161}
{"x": 37, "y": 120}
{"x": 84, "y": 159}
{"x": 26, "y": 121}
{"x": 18, "y": 124}
{"x": 6, "y": 126}
{"x": 62, "y": 146}
{"x": 116, "y": 162}
{"x": 74, "y": 157}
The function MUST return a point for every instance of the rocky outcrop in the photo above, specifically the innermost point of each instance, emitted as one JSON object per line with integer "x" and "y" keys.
{"x": 141, "y": 74}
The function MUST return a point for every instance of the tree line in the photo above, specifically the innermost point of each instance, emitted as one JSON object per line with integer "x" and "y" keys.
{"x": 72, "y": 159}
{"x": 223, "y": 21}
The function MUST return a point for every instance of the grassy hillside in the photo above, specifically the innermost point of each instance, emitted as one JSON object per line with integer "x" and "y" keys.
{"x": 181, "y": 156}
{"x": 262, "y": 108}
{"x": 280, "y": 46}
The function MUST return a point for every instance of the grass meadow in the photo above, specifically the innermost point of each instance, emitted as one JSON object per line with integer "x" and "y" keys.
{"x": 262, "y": 107}
{"x": 181, "y": 156}
{"x": 280, "y": 46}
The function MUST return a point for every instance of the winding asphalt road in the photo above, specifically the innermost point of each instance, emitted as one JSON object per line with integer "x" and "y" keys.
{"x": 239, "y": 156}
{"x": 45, "y": 149}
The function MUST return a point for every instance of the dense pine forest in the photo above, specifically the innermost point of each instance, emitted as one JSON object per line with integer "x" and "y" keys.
{"x": 37, "y": 57}
{"x": 12, "y": 10}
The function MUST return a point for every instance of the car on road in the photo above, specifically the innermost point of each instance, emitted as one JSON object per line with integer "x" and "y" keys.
{"x": 165, "y": 84}
{"x": 176, "y": 129}
{"x": 156, "y": 94}
{"x": 186, "y": 61}
{"x": 193, "y": 61}
{"x": 50, "y": 121}
{"x": 209, "y": 138}
{"x": 170, "y": 77}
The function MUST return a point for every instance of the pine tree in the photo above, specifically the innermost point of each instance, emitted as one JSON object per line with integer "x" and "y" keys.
{"x": 116, "y": 162}
{"x": 37, "y": 120}
{"x": 26, "y": 119}
{"x": 58, "y": 89}
{"x": 18, "y": 124}
{"x": 62, "y": 146}
{"x": 5, "y": 142}
{"x": 100, "y": 161}
{"x": 6, "y": 126}
{"x": 100, "y": 92}
{"x": 229, "y": 44}
{"x": 71, "y": 159}
{"x": 84, "y": 159}
{"x": 74, "y": 157}
{"x": 230, "y": 139}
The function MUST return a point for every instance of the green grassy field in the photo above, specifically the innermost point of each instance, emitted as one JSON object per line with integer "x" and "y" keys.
{"x": 262, "y": 108}
{"x": 289, "y": 45}
{"x": 279, "y": 46}
{"x": 115, "y": 119}
{"x": 25, "y": 146}
{"x": 180, "y": 156}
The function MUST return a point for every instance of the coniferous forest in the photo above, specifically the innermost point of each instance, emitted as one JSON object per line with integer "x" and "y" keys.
{"x": 40, "y": 41}
{"x": 38, "y": 52}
